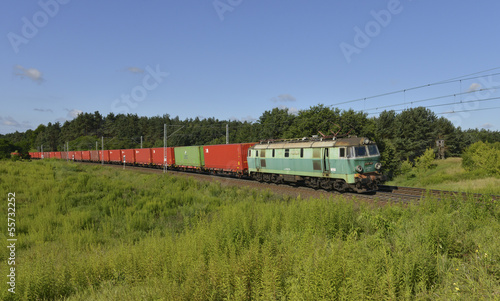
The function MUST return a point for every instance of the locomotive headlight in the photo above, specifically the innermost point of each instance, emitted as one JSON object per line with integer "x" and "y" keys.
{"x": 378, "y": 166}
{"x": 359, "y": 168}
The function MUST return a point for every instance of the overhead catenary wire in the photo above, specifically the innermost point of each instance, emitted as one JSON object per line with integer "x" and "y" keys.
{"x": 432, "y": 98}
{"x": 469, "y": 110}
{"x": 447, "y": 81}
{"x": 446, "y": 104}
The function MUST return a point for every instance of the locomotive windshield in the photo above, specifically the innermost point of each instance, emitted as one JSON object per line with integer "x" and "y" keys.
{"x": 373, "y": 150}
{"x": 360, "y": 151}
{"x": 364, "y": 151}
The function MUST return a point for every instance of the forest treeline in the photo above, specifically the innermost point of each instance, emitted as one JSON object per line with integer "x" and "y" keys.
{"x": 400, "y": 136}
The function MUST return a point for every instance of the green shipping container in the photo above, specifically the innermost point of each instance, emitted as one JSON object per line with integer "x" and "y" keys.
{"x": 189, "y": 156}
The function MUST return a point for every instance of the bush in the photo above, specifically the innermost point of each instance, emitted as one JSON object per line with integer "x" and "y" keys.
{"x": 482, "y": 156}
{"x": 425, "y": 161}
{"x": 388, "y": 157}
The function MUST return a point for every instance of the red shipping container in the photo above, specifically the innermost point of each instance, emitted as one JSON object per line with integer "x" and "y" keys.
{"x": 104, "y": 156}
{"x": 86, "y": 155}
{"x": 115, "y": 155}
{"x": 94, "y": 156}
{"x": 64, "y": 155}
{"x": 129, "y": 155}
{"x": 143, "y": 156}
{"x": 157, "y": 156}
{"x": 57, "y": 155}
{"x": 78, "y": 155}
{"x": 227, "y": 157}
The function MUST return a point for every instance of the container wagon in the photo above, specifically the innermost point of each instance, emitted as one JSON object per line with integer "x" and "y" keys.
{"x": 104, "y": 156}
{"x": 115, "y": 156}
{"x": 127, "y": 156}
{"x": 143, "y": 156}
{"x": 189, "y": 157}
{"x": 94, "y": 156}
{"x": 227, "y": 158}
{"x": 157, "y": 156}
{"x": 86, "y": 156}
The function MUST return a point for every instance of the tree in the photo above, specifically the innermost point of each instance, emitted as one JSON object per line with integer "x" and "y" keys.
{"x": 5, "y": 148}
{"x": 386, "y": 125}
{"x": 275, "y": 123}
{"x": 314, "y": 120}
{"x": 390, "y": 162}
{"x": 416, "y": 130}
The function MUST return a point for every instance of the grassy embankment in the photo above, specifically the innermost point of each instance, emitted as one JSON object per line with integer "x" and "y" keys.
{"x": 449, "y": 175}
{"x": 93, "y": 233}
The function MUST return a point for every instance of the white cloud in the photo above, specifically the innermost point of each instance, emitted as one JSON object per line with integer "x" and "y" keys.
{"x": 43, "y": 110}
{"x": 474, "y": 87}
{"x": 487, "y": 126}
{"x": 72, "y": 114}
{"x": 247, "y": 118}
{"x": 135, "y": 70}
{"x": 31, "y": 73}
{"x": 9, "y": 121}
{"x": 283, "y": 98}
{"x": 291, "y": 110}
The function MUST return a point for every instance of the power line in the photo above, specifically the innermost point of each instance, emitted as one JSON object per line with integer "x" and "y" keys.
{"x": 432, "y": 98}
{"x": 456, "y": 79}
{"x": 446, "y": 104}
{"x": 471, "y": 110}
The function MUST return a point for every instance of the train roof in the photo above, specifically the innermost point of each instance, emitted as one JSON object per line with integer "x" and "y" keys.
{"x": 313, "y": 143}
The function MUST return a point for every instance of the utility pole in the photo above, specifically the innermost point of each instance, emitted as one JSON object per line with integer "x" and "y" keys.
{"x": 67, "y": 151}
{"x": 42, "y": 151}
{"x": 102, "y": 151}
{"x": 141, "y": 141}
{"x": 227, "y": 133}
{"x": 164, "y": 148}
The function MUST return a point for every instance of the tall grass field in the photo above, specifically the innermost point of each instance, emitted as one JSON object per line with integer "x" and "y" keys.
{"x": 449, "y": 174}
{"x": 99, "y": 233}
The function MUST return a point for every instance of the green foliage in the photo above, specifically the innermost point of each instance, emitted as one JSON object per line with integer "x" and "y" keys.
{"x": 448, "y": 175}
{"x": 425, "y": 161}
{"x": 5, "y": 148}
{"x": 388, "y": 157}
{"x": 406, "y": 167}
{"x": 93, "y": 233}
{"x": 484, "y": 157}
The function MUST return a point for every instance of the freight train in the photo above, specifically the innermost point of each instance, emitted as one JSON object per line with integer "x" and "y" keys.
{"x": 342, "y": 164}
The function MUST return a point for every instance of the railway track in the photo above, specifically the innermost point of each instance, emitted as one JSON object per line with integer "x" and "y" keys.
{"x": 384, "y": 194}
{"x": 417, "y": 193}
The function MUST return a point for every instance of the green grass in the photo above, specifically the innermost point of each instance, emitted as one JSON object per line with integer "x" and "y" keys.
{"x": 93, "y": 233}
{"x": 449, "y": 175}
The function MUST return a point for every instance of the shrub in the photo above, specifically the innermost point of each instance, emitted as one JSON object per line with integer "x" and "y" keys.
{"x": 482, "y": 156}
{"x": 425, "y": 161}
{"x": 406, "y": 167}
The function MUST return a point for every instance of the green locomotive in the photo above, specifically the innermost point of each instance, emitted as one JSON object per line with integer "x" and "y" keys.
{"x": 341, "y": 164}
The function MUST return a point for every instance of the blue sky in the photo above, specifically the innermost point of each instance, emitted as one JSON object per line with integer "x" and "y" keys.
{"x": 235, "y": 59}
